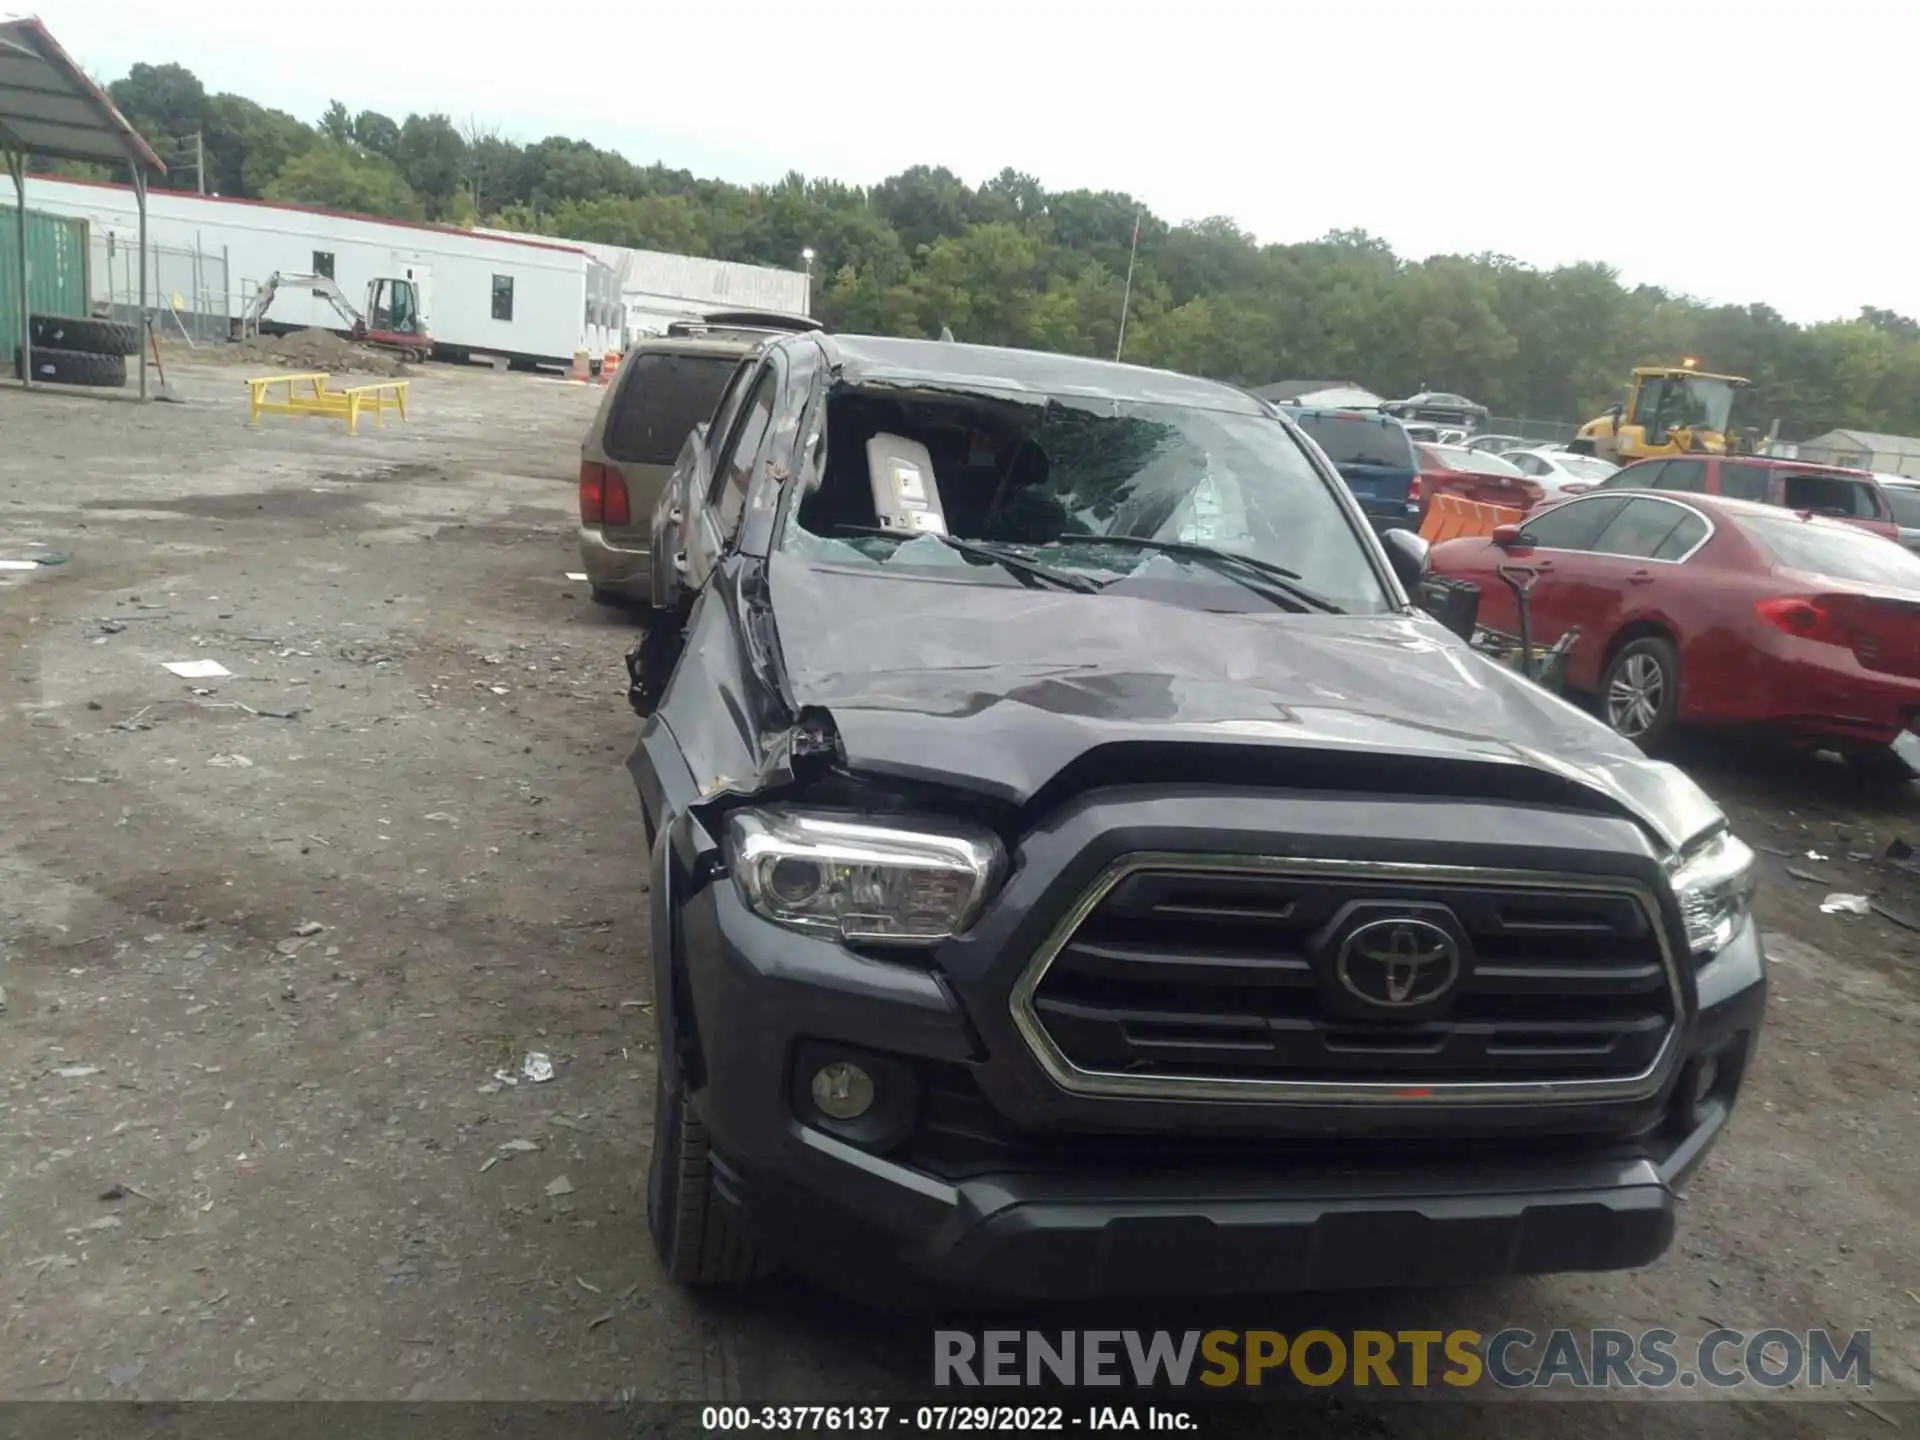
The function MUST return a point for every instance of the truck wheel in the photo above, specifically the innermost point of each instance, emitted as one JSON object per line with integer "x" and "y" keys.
{"x": 698, "y": 1239}
{"x": 102, "y": 337}
{"x": 1640, "y": 691}
{"x": 75, "y": 367}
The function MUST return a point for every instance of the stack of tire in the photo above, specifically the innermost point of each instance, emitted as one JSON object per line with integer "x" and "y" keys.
{"x": 69, "y": 351}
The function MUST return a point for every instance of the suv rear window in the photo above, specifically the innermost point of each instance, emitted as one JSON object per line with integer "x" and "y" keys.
{"x": 661, "y": 398}
{"x": 1831, "y": 495}
{"x": 1359, "y": 439}
{"x": 1837, "y": 551}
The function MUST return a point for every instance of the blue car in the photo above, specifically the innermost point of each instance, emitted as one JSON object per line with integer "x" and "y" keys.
{"x": 1374, "y": 456}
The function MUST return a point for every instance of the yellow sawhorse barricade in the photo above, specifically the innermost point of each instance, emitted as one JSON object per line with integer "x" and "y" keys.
{"x": 310, "y": 394}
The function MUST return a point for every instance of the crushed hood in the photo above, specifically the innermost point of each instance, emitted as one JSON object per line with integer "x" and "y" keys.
{"x": 998, "y": 688}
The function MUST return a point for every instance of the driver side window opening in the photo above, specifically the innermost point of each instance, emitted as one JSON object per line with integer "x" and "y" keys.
{"x": 733, "y": 472}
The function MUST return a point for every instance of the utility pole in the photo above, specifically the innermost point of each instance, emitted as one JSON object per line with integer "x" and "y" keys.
{"x": 1126, "y": 299}
{"x": 199, "y": 143}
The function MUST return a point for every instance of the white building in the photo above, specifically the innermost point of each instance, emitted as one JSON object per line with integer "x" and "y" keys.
{"x": 525, "y": 298}
{"x": 1864, "y": 450}
{"x": 658, "y": 288}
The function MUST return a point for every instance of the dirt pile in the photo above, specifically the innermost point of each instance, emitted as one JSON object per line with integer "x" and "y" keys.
{"x": 316, "y": 350}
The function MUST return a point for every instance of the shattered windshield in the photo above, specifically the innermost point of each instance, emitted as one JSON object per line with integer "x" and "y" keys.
{"x": 1197, "y": 502}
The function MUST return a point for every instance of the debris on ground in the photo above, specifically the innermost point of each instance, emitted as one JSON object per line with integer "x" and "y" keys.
{"x": 558, "y": 1186}
{"x": 312, "y": 350}
{"x": 536, "y": 1067}
{"x": 3, "y": 998}
{"x": 506, "y": 1150}
{"x": 1898, "y": 917}
{"x": 196, "y": 669}
{"x": 230, "y": 762}
{"x": 19, "y": 565}
{"x": 308, "y": 927}
{"x": 1900, "y": 853}
{"x": 1815, "y": 855}
{"x": 1840, "y": 903}
{"x": 76, "y": 1072}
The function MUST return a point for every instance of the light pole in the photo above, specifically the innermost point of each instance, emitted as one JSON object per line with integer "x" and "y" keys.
{"x": 806, "y": 256}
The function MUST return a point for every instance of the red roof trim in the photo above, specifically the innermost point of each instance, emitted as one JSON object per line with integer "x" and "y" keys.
{"x": 55, "y": 56}
{"x": 334, "y": 214}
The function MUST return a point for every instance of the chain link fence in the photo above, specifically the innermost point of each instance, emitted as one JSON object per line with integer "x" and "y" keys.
{"x": 187, "y": 290}
{"x": 1543, "y": 432}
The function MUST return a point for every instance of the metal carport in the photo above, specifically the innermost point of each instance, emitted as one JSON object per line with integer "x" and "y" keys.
{"x": 48, "y": 107}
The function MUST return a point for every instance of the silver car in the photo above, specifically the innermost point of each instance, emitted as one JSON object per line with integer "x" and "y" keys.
{"x": 1903, "y": 494}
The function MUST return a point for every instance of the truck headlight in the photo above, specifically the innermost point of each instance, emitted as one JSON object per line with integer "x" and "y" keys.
{"x": 1714, "y": 886}
{"x": 877, "y": 884}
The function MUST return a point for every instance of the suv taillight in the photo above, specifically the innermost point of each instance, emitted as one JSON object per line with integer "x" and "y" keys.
{"x": 1413, "y": 491}
{"x": 593, "y": 492}
{"x": 603, "y": 495}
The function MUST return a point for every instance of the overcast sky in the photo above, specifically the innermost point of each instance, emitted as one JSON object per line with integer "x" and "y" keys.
{"x": 1733, "y": 151}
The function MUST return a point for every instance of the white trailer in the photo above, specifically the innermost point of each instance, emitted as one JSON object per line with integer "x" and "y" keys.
{"x": 530, "y": 301}
{"x": 659, "y": 288}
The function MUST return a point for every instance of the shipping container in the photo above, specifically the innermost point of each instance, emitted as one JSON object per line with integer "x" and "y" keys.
{"x": 56, "y": 272}
{"x": 527, "y": 300}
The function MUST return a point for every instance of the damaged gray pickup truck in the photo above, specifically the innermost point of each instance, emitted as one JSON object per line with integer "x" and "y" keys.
{"x": 1077, "y": 868}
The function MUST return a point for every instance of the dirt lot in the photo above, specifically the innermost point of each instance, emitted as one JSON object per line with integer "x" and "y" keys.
{"x": 260, "y": 973}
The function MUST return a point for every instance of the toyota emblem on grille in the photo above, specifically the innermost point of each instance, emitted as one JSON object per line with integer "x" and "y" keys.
{"x": 1398, "y": 963}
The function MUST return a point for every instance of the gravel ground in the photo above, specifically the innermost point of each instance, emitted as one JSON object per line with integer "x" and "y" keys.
{"x": 270, "y": 984}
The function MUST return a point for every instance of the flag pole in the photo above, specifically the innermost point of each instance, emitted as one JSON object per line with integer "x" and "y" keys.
{"x": 1126, "y": 299}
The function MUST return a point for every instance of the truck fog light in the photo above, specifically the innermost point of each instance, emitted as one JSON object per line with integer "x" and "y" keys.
{"x": 1706, "y": 1075}
{"x": 842, "y": 1090}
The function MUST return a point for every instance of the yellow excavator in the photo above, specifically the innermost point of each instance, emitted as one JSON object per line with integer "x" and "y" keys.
{"x": 1672, "y": 410}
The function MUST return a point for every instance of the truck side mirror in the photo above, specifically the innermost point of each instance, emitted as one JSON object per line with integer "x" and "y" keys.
{"x": 1408, "y": 556}
{"x": 1507, "y": 537}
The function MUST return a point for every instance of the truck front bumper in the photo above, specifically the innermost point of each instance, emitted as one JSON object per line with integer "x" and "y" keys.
{"x": 1374, "y": 1217}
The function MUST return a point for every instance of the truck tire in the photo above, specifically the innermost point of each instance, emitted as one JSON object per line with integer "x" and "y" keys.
{"x": 102, "y": 337}
{"x": 698, "y": 1239}
{"x": 75, "y": 367}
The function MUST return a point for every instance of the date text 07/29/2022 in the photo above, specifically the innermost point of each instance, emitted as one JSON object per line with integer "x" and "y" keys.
{"x": 943, "y": 1419}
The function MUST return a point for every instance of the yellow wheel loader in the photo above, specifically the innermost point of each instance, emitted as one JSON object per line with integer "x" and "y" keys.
{"x": 1672, "y": 410}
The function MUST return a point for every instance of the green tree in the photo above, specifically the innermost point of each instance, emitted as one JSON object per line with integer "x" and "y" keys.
{"x": 377, "y": 133}
{"x": 336, "y": 123}
{"x": 248, "y": 145}
{"x": 432, "y": 158}
{"x": 343, "y": 177}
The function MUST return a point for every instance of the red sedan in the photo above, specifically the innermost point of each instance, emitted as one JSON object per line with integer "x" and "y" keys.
{"x": 1694, "y": 609}
{"x": 1475, "y": 475}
